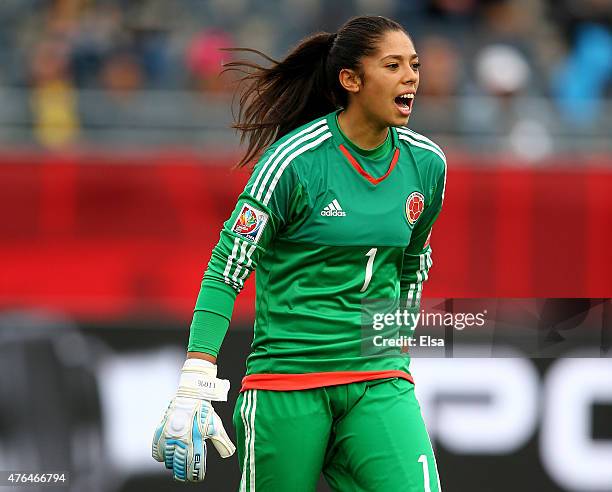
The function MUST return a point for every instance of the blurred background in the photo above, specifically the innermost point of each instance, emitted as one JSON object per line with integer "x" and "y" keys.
{"x": 115, "y": 177}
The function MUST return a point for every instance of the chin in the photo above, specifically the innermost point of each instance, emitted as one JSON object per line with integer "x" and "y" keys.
{"x": 400, "y": 121}
{"x": 393, "y": 119}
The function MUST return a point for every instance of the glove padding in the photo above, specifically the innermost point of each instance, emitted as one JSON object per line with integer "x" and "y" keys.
{"x": 180, "y": 439}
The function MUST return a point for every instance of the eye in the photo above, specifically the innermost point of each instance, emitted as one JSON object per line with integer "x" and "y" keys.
{"x": 393, "y": 66}
{"x": 416, "y": 66}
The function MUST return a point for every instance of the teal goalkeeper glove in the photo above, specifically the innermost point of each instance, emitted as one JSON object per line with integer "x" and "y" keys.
{"x": 180, "y": 439}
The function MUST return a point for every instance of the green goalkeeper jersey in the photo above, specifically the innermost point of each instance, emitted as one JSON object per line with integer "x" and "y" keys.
{"x": 326, "y": 227}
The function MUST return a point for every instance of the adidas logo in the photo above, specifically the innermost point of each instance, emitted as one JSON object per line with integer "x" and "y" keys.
{"x": 333, "y": 210}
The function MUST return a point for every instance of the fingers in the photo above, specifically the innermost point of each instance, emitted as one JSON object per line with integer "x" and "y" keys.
{"x": 197, "y": 463}
{"x": 185, "y": 467}
{"x": 180, "y": 440}
{"x": 176, "y": 459}
{"x": 225, "y": 447}
{"x": 219, "y": 438}
{"x": 156, "y": 450}
{"x": 188, "y": 452}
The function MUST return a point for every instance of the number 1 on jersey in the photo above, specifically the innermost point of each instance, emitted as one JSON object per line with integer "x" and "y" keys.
{"x": 423, "y": 461}
{"x": 369, "y": 267}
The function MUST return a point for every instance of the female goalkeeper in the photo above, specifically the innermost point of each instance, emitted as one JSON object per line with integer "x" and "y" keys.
{"x": 337, "y": 213}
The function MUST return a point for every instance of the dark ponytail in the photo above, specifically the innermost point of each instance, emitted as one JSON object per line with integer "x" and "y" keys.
{"x": 277, "y": 99}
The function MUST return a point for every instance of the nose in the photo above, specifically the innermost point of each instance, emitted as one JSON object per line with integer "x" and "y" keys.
{"x": 411, "y": 76}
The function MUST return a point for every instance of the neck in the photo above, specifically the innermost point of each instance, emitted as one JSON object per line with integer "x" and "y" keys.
{"x": 361, "y": 130}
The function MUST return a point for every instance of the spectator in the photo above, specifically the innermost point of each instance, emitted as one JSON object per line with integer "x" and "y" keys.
{"x": 441, "y": 73}
{"x": 122, "y": 74}
{"x": 53, "y": 101}
{"x": 579, "y": 99}
{"x": 204, "y": 59}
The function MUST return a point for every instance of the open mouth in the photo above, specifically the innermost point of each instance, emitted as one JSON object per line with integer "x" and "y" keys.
{"x": 404, "y": 103}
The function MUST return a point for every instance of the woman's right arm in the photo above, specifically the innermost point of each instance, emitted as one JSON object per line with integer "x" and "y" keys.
{"x": 190, "y": 420}
{"x": 260, "y": 213}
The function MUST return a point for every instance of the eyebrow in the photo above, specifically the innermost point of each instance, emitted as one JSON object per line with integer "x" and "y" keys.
{"x": 400, "y": 57}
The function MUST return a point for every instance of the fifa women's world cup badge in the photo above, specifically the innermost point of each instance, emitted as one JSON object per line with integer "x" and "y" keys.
{"x": 250, "y": 223}
{"x": 414, "y": 207}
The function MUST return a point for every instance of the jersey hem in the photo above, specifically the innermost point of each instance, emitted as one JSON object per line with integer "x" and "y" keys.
{"x": 292, "y": 382}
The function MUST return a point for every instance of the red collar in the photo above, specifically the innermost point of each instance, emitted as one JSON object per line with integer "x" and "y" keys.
{"x": 363, "y": 172}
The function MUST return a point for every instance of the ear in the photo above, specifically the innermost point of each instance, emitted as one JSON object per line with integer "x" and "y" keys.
{"x": 350, "y": 80}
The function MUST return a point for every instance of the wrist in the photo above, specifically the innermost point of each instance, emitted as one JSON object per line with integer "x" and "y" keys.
{"x": 199, "y": 380}
{"x": 202, "y": 356}
{"x": 198, "y": 363}
{"x": 198, "y": 367}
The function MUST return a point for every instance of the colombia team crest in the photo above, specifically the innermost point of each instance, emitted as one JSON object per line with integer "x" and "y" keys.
{"x": 414, "y": 207}
{"x": 250, "y": 223}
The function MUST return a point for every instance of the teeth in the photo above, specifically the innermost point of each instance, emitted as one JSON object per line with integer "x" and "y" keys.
{"x": 407, "y": 96}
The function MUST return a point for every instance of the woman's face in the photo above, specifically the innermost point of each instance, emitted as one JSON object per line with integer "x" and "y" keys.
{"x": 390, "y": 80}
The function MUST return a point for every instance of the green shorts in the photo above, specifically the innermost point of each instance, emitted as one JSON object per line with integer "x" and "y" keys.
{"x": 367, "y": 436}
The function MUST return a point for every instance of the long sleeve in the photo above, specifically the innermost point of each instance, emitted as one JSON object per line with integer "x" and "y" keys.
{"x": 262, "y": 210}
{"x": 417, "y": 256}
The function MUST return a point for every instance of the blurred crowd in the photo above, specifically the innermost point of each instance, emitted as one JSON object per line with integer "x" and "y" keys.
{"x": 504, "y": 51}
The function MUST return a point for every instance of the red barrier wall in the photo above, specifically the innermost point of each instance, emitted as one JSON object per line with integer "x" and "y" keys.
{"x": 129, "y": 235}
